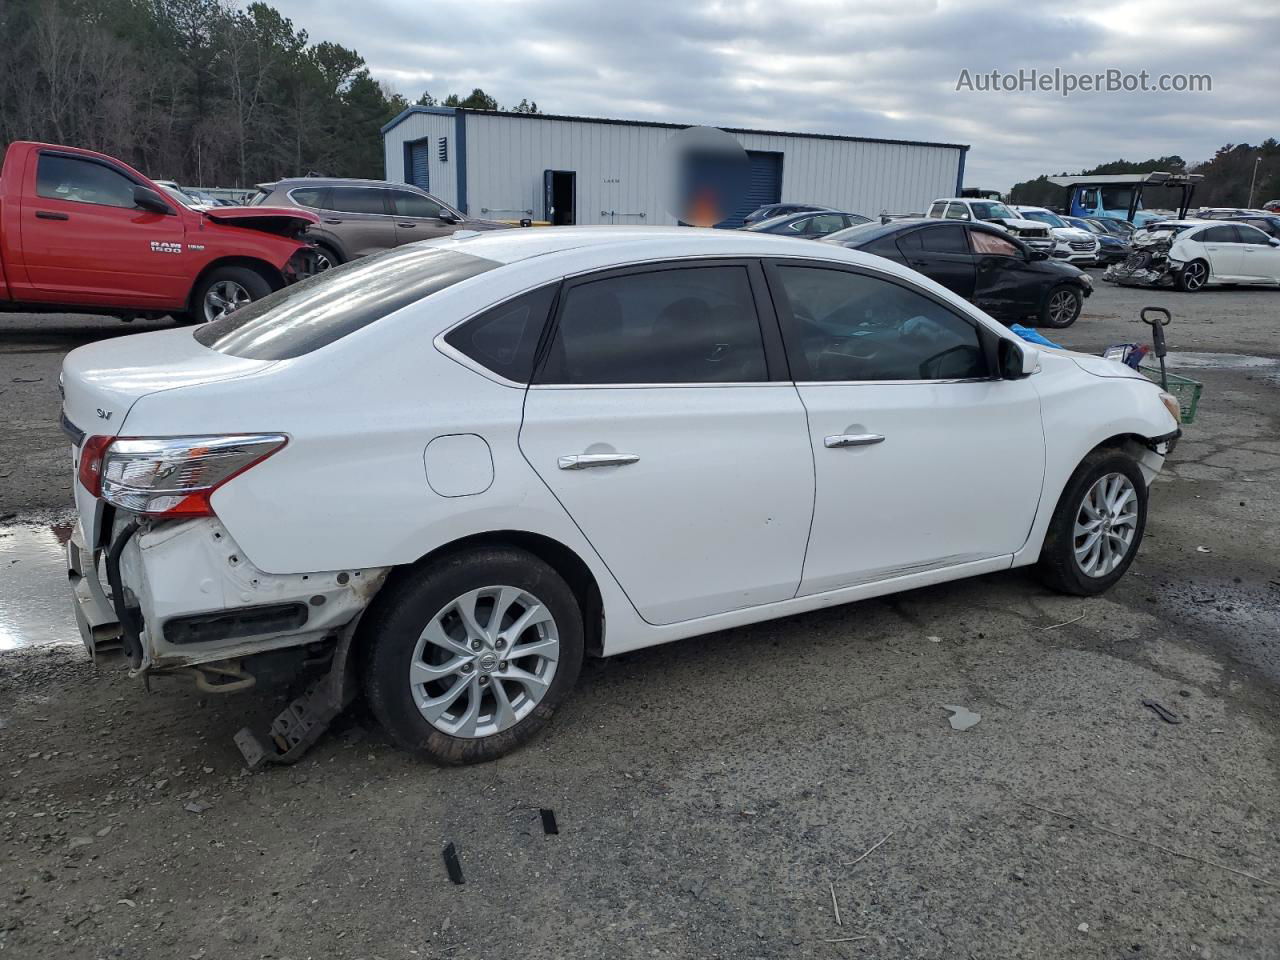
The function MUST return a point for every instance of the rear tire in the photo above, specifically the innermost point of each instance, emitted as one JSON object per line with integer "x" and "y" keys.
{"x": 1061, "y": 307}
{"x": 443, "y": 668}
{"x": 225, "y": 290}
{"x": 1097, "y": 526}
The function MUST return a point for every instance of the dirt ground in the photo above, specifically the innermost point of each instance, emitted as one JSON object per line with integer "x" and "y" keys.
{"x": 723, "y": 796}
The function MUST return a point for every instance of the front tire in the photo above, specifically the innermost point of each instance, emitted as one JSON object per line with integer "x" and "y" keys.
{"x": 1193, "y": 277}
{"x": 1097, "y": 526}
{"x": 326, "y": 258}
{"x": 469, "y": 657}
{"x": 1061, "y": 307}
{"x": 225, "y": 290}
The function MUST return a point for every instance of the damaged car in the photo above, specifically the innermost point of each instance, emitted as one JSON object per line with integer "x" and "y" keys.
{"x": 1190, "y": 255}
{"x": 443, "y": 475}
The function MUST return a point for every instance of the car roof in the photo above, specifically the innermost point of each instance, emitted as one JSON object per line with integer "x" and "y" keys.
{"x": 639, "y": 244}
{"x": 331, "y": 182}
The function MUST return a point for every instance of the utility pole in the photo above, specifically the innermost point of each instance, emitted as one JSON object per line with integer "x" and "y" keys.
{"x": 1252, "y": 181}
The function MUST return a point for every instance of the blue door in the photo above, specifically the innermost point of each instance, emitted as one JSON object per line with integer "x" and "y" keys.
{"x": 419, "y": 172}
{"x": 764, "y": 185}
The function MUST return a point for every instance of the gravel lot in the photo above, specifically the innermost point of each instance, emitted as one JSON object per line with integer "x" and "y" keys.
{"x": 712, "y": 795}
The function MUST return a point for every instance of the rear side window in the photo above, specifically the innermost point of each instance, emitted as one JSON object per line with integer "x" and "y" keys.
{"x": 678, "y": 325}
{"x": 842, "y": 326}
{"x": 504, "y": 338}
{"x": 947, "y": 239}
{"x": 1224, "y": 234}
{"x": 308, "y": 197}
{"x": 937, "y": 209}
{"x": 957, "y": 211}
{"x": 82, "y": 181}
{"x": 306, "y": 316}
{"x": 357, "y": 200}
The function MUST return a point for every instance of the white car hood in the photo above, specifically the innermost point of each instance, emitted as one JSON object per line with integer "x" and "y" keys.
{"x": 1102, "y": 367}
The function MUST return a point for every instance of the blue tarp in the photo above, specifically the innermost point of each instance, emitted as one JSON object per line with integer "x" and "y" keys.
{"x": 1033, "y": 336}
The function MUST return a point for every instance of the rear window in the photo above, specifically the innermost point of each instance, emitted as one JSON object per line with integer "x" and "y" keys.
{"x": 306, "y": 316}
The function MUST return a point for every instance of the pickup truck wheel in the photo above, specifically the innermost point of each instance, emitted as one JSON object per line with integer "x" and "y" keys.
{"x": 225, "y": 290}
{"x": 1097, "y": 525}
{"x": 469, "y": 658}
{"x": 1061, "y": 307}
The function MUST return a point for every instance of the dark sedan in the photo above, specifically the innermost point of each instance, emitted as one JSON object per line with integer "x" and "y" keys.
{"x": 981, "y": 263}
{"x": 771, "y": 210}
{"x": 808, "y": 225}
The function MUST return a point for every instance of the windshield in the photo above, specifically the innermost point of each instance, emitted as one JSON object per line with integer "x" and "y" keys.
{"x": 1052, "y": 219}
{"x": 326, "y": 307}
{"x": 989, "y": 210}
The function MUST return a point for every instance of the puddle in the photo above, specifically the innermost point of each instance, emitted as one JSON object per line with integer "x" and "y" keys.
{"x": 35, "y": 608}
{"x": 1218, "y": 361}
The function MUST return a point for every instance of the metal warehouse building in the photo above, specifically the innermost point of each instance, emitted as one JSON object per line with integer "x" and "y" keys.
{"x": 510, "y": 166}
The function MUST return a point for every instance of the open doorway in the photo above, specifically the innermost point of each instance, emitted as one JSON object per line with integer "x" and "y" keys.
{"x": 559, "y": 197}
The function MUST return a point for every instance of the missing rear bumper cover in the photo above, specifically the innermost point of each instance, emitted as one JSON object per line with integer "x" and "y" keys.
{"x": 235, "y": 624}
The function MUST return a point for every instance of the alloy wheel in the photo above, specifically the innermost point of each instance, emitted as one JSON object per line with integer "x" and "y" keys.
{"x": 484, "y": 661}
{"x": 1062, "y": 308}
{"x": 1194, "y": 275}
{"x": 1106, "y": 525}
{"x": 322, "y": 262}
{"x": 224, "y": 297}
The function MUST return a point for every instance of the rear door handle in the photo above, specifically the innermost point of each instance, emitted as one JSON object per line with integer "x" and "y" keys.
{"x": 582, "y": 461}
{"x": 853, "y": 440}
{"x": 50, "y": 215}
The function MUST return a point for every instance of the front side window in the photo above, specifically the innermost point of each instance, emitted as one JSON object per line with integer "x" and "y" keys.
{"x": 82, "y": 181}
{"x": 504, "y": 338}
{"x": 357, "y": 200}
{"x": 844, "y": 326}
{"x": 988, "y": 244}
{"x": 1250, "y": 234}
{"x": 406, "y": 203}
{"x": 676, "y": 325}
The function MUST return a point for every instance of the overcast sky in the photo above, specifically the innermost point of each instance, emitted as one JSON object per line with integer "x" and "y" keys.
{"x": 878, "y": 68}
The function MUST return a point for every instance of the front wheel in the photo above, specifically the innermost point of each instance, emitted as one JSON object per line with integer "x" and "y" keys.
{"x": 1193, "y": 276}
{"x": 1097, "y": 525}
{"x": 1061, "y": 307}
{"x": 469, "y": 658}
{"x": 225, "y": 290}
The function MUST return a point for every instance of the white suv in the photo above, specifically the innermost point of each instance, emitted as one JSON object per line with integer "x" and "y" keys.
{"x": 1073, "y": 244}
{"x": 1033, "y": 234}
{"x": 446, "y": 473}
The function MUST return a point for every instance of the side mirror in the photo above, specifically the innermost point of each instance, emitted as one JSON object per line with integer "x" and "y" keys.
{"x": 1015, "y": 362}
{"x": 447, "y": 217}
{"x": 150, "y": 200}
{"x": 1274, "y": 242}
{"x": 1039, "y": 255}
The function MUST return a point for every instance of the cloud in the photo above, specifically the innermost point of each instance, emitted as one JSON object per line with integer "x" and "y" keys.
{"x": 880, "y": 68}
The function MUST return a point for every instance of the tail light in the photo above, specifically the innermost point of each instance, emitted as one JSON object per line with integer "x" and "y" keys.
{"x": 169, "y": 476}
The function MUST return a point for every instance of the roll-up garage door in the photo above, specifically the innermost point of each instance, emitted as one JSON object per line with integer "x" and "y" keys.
{"x": 764, "y": 185}
{"x": 419, "y": 155}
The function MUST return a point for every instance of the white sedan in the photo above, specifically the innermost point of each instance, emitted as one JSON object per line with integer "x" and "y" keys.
{"x": 1194, "y": 254}
{"x": 445, "y": 474}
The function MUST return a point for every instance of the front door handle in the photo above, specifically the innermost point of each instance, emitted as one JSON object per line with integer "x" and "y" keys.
{"x": 582, "y": 461}
{"x": 853, "y": 440}
{"x": 50, "y": 215}
{"x": 332, "y": 220}
{"x": 406, "y": 224}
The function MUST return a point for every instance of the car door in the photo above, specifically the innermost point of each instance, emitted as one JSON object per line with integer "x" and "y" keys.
{"x": 1008, "y": 285}
{"x": 923, "y": 459}
{"x": 664, "y": 422}
{"x": 360, "y": 218}
{"x": 85, "y": 241}
{"x": 1221, "y": 249}
{"x": 417, "y": 217}
{"x": 941, "y": 252}
{"x": 1259, "y": 260}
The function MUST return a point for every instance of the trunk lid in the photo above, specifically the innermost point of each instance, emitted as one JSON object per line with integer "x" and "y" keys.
{"x": 102, "y": 381}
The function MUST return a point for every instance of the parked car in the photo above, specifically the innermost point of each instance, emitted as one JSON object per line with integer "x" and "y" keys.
{"x": 1111, "y": 249}
{"x": 184, "y": 197}
{"x": 360, "y": 217}
{"x": 1117, "y": 228}
{"x": 982, "y": 263}
{"x": 1193, "y": 254}
{"x": 1072, "y": 243}
{"x": 1033, "y": 234}
{"x": 808, "y": 225}
{"x": 1268, "y": 223}
{"x": 1272, "y": 206}
{"x": 483, "y": 458}
{"x": 771, "y": 210}
{"x": 85, "y": 232}
{"x": 1224, "y": 213}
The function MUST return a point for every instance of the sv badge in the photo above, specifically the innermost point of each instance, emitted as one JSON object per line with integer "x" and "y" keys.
{"x": 104, "y": 414}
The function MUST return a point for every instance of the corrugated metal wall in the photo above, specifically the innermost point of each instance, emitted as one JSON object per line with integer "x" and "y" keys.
{"x": 415, "y": 127}
{"x": 618, "y": 167}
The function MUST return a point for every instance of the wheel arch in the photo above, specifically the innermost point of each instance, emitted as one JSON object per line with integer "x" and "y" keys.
{"x": 561, "y": 558}
{"x": 268, "y": 273}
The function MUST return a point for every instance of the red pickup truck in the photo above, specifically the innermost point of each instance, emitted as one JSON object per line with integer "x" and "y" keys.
{"x": 82, "y": 232}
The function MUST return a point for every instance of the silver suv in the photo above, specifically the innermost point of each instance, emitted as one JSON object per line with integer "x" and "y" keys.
{"x": 360, "y": 217}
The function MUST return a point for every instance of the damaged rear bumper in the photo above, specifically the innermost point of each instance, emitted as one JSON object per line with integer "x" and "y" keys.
{"x": 195, "y": 601}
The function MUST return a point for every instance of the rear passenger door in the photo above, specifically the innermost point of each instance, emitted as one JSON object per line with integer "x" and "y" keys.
{"x": 664, "y": 421}
{"x": 361, "y": 219}
{"x": 941, "y": 253}
{"x": 1007, "y": 285}
{"x": 417, "y": 217}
